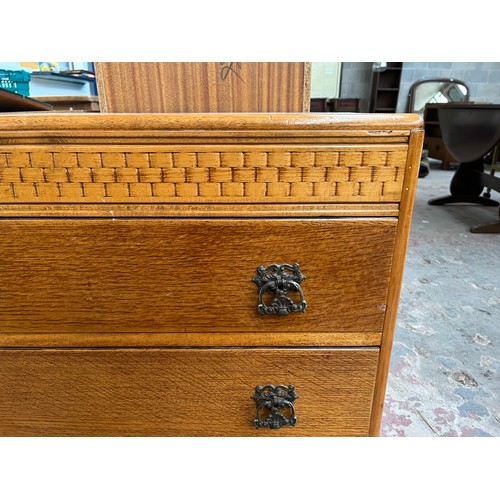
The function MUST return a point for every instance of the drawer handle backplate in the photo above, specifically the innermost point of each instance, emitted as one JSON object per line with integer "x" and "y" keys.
{"x": 280, "y": 280}
{"x": 275, "y": 406}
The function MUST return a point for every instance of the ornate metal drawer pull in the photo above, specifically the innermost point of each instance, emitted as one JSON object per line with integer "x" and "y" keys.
{"x": 280, "y": 279}
{"x": 275, "y": 406}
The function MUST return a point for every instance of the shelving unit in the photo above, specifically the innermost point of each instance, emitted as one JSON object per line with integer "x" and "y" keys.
{"x": 385, "y": 88}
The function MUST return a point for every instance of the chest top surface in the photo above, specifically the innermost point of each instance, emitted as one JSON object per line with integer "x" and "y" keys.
{"x": 170, "y": 159}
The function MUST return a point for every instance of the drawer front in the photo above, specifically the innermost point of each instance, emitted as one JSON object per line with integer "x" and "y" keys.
{"x": 244, "y": 173}
{"x": 188, "y": 392}
{"x": 173, "y": 276}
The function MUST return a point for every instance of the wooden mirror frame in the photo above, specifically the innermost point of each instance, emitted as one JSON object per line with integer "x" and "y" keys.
{"x": 415, "y": 85}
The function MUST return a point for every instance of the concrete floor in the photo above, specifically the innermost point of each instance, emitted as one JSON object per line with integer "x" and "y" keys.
{"x": 445, "y": 368}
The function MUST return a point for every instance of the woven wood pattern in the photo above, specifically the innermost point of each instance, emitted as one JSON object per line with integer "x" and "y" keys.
{"x": 340, "y": 174}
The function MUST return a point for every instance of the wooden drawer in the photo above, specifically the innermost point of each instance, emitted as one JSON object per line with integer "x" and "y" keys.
{"x": 131, "y": 277}
{"x": 182, "y": 392}
{"x": 173, "y": 276}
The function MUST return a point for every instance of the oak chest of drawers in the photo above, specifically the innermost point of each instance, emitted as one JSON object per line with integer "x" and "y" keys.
{"x": 201, "y": 275}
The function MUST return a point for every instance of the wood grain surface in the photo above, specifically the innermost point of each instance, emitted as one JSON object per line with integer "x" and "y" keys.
{"x": 188, "y": 392}
{"x": 396, "y": 280}
{"x": 174, "y": 276}
{"x": 198, "y": 87}
{"x": 205, "y": 128}
{"x": 129, "y": 242}
{"x": 206, "y": 339}
{"x": 205, "y": 210}
{"x": 247, "y": 174}
{"x": 231, "y": 158}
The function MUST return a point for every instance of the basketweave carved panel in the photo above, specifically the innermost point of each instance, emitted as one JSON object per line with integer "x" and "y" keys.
{"x": 110, "y": 176}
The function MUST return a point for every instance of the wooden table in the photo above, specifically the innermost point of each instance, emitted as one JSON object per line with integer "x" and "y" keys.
{"x": 470, "y": 130}
{"x": 11, "y": 101}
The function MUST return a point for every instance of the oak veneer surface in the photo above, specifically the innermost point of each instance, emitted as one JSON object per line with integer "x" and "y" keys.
{"x": 200, "y": 159}
{"x": 154, "y": 275}
{"x": 182, "y": 174}
{"x": 193, "y": 392}
{"x": 200, "y": 87}
{"x": 143, "y": 231}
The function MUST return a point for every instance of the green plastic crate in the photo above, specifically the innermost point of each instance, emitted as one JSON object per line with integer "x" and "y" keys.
{"x": 15, "y": 81}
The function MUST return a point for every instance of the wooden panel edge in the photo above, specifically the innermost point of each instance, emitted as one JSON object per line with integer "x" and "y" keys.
{"x": 101, "y": 87}
{"x": 306, "y": 97}
{"x": 206, "y": 147}
{"x": 208, "y": 210}
{"x": 257, "y": 339}
{"x": 193, "y": 124}
{"x": 396, "y": 279}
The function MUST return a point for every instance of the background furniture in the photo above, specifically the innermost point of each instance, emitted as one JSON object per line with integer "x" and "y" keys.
{"x": 191, "y": 274}
{"x": 385, "y": 88}
{"x": 470, "y": 131}
{"x": 425, "y": 97}
{"x": 495, "y": 167}
{"x": 203, "y": 87}
{"x": 344, "y": 105}
{"x": 319, "y": 105}
{"x": 341, "y": 105}
{"x": 436, "y": 91}
{"x": 433, "y": 140}
{"x": 12, "y": 101}
{"x": 76, "y": 103}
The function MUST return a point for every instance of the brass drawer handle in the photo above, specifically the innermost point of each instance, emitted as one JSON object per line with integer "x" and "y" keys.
{"x": 280, "y": 279}
{"x": 275, "y": 406}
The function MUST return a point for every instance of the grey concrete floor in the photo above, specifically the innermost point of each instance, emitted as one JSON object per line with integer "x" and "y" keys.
{"x": 445, "y": 368}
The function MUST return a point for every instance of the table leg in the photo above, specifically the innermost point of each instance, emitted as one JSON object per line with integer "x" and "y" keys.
{"x": 493, "y": 228}
{"x": 466, "y": 186}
